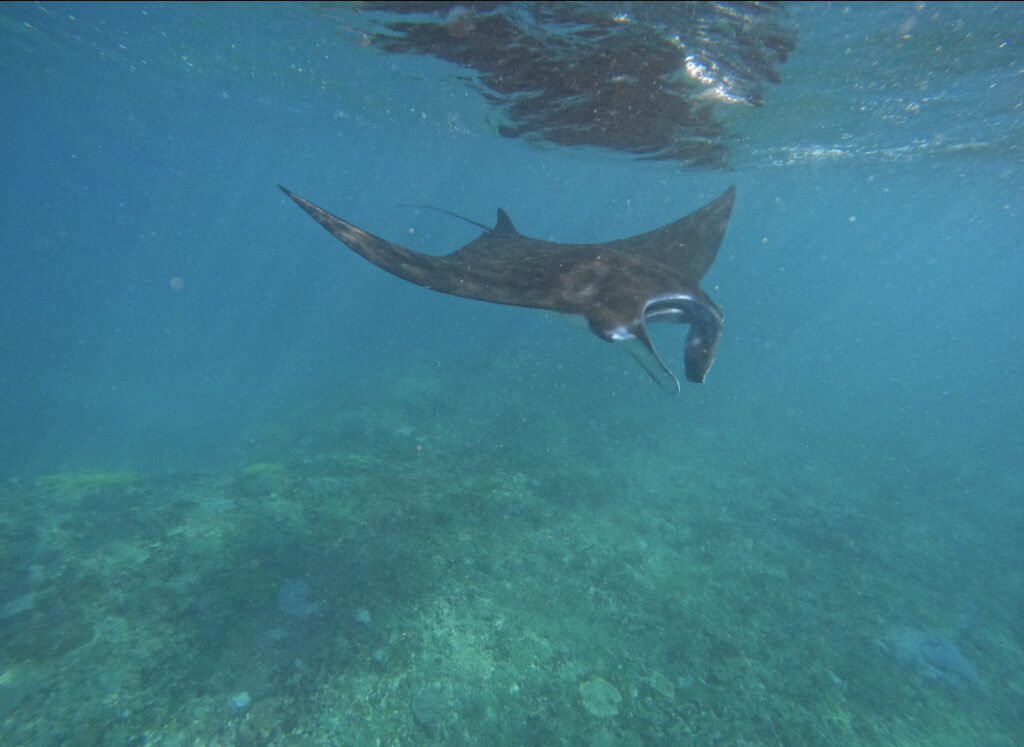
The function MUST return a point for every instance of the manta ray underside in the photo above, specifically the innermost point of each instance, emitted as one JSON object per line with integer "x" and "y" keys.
{"x": 617, "y": 286}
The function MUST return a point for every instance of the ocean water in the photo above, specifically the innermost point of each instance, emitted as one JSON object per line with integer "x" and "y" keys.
{"x": 256, "y": 491}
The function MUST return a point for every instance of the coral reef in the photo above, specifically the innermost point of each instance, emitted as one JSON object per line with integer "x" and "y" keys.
{"x": 546, "y": 587}
{"x": 600, "y": 697}
{"x": 932, "y": 655}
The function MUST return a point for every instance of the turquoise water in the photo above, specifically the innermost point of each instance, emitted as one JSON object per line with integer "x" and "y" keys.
{"x": 257, "y": 491}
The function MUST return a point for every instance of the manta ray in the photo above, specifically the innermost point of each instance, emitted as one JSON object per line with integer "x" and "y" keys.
{"x": 616, "y": 286}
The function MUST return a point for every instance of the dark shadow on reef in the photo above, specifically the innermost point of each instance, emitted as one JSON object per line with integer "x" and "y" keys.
{"x": 635, "y": 77}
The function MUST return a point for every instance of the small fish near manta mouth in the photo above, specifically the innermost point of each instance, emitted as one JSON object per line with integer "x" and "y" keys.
{"x": 617, "y": 286}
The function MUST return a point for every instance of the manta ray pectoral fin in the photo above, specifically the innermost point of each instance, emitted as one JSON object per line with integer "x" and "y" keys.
{"x": 422, "y": 269}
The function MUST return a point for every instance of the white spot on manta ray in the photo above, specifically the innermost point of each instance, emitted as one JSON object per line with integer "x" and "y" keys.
{"x": 620, "y": 333}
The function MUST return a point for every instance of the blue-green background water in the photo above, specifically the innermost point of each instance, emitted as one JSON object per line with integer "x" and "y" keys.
{"x": 869, "y": 379}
